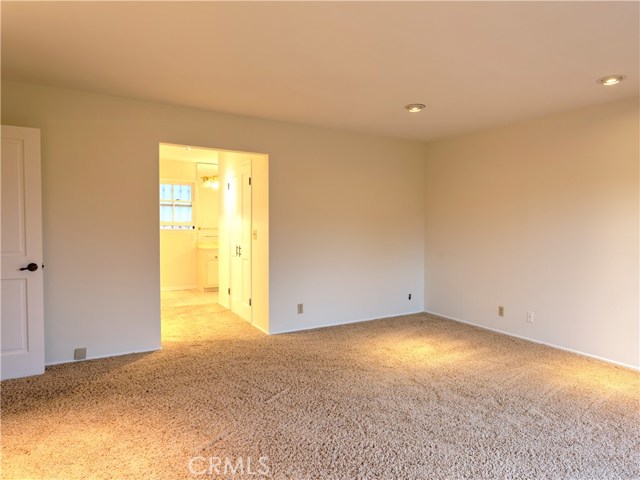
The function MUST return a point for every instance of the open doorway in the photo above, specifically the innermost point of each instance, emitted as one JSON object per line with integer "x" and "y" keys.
{"x": 214, "y": 233}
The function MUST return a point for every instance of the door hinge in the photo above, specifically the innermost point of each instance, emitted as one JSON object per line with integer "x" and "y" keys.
{"x": 249, "y": 180}
{"x": 228, "y": 186}
{"x": 249, "y": 302}
{"x": 228, "y": 291}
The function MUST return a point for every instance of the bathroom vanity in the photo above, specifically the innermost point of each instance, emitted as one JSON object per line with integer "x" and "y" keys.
{"x": 207, "y": 262}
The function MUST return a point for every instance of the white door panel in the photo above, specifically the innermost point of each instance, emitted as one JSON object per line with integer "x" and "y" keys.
{"x": 240, "y": 236}
{"x": 234, "y": 244}
{"x": 246, "y": 241}
{"x": 14, "y": 333}
{"x": 13, "y": 214}
{"x": 21, "y": 290}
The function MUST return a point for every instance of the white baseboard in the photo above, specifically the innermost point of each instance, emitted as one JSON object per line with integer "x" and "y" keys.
{"x": 97, "y": 357}
{"x": 559, "y": 347}
{"x": 179, "y": 287}
{"x": 337, "y": 324}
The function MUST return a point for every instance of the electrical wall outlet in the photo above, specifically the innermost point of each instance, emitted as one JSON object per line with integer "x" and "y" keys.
{"x": 300, "y": 309}
{"x": 500, "y": 311}
{"x": 530, "y": 317}
{"x": 80, "y": 353}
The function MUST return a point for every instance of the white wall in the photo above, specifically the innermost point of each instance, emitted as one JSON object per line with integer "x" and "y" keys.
{"x": 540, "y": 216}
{"x": 207, "y": 199}
{"x": 260, "y": 241}
{"x": 345, "y": 216}
{"x": 348, "y": 238}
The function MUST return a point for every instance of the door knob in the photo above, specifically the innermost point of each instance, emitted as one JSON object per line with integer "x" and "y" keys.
{"x": 32, "y": 267}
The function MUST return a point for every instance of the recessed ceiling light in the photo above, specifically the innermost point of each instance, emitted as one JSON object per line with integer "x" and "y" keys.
{"x": 610, "y": 80}
{"x": 415, "y": 107}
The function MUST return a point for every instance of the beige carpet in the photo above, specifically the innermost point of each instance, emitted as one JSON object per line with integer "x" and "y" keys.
{"x": 408, "y": 398}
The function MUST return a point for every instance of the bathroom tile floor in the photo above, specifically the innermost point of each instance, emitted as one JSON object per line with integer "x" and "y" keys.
{"x": 186, "y": 298}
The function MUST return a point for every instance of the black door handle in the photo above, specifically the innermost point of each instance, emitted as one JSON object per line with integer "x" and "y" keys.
{"x": 32, "y": 267}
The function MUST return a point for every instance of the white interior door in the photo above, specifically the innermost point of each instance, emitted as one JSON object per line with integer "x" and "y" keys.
{"x": 21, "y": 293}
{"x": 240, "y": 236}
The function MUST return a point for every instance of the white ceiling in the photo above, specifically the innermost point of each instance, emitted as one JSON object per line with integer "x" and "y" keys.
{"x": 345, "y": 65}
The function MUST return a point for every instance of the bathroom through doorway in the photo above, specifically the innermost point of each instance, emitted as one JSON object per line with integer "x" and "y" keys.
{"x": 214, "y": 231}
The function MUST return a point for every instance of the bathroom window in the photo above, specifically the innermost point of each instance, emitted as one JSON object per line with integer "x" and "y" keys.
{"x": 176, "y": 206}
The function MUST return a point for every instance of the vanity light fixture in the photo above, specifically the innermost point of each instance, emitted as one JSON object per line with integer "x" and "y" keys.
{"x": 415, "y": 107}
{"x": 610, "y": 80}
{"x": 211, "y": 182}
